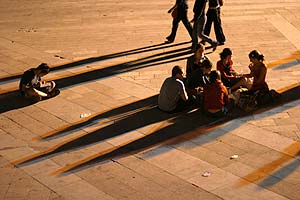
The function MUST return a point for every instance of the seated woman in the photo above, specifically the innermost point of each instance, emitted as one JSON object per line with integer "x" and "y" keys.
{"x": 258, "y": 91}
{"x": 230, "y": 78}
{"x": 195, "y": 61}
{"x": 31, "y": 85}
{"x": 215, "y": 96}
{"x": 258, "y": 72}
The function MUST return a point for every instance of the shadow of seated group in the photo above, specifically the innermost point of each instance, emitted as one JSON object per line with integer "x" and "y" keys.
{"x": 138, "y": 115}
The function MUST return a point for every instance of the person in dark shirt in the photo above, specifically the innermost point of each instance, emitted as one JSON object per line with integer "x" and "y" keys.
{"x": 31, "y": 84}
{"x": 213, "y": 15}
{"x": 199, "y": 78}
{"x": 181, "y": 7}
{"x": 195, "y": 61}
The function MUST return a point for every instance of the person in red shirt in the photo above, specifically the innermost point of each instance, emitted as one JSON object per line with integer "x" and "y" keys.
{"x": 258, "y": 72}
{"x": 229, "y": 76}
{"x": 215, "y": 96}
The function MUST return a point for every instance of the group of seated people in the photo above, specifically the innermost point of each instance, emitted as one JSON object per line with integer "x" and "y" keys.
{"x": 211, "y": 87}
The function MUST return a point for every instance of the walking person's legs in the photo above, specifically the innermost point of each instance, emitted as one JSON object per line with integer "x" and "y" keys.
{"x": 209, "y": 21}
{"x": 187, "y": 24}
{"x": 218, "y": 27}
{"x": 204, "y": 37}
{"x": 175, "y": 24}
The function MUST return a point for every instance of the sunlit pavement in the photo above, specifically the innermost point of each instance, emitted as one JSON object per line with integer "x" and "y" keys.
{"x": 103, "y": 138}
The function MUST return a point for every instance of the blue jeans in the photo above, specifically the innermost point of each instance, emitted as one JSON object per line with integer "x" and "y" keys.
{"x": 198, "y": 31}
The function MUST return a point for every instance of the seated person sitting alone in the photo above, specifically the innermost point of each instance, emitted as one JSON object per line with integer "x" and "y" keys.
{"x": 31, "y": 86}
{"x": 172, "y": 96}
{"x": 215, "y": 96}
{"x": 230, "y": 78}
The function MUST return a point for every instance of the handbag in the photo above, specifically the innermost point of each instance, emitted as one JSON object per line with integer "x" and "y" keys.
{"x": 174, "y": 12}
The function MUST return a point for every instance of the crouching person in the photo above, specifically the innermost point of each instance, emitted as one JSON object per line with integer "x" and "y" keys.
{"x": 215, "y": 96}
{"x": 173, "y": 97}
{"x": 31, "y": 85}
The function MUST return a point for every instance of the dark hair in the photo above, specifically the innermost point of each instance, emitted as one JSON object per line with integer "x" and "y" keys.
{"x": 44, "y": 68}
{"x": 206, "y": 64}
{"x": 257, "y": 55}
{"x": 226, "y": 52}
{"x": 214, "y": 76}
{"x": 176, "y": 70}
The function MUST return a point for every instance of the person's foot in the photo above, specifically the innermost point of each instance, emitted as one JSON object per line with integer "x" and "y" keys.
{"x": 203, "y": 42}
{"x": 214, "y": 46}
{"x": 169, "y": 41}
{"x": 221, "y": 43}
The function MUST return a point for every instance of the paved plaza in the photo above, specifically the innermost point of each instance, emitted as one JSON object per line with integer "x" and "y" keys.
{"x": 103, "y": 138}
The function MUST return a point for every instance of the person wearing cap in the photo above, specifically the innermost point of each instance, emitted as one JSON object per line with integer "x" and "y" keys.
{"x": 33, "y": 87}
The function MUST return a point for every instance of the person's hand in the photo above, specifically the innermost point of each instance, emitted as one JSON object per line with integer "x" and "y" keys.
{"x": 192, "y": 21}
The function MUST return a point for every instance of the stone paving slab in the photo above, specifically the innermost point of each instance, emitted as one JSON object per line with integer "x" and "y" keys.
{"x": 109, "y": 60}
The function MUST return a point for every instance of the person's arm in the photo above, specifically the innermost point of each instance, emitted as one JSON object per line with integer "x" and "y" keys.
{"x": 220, "y": 67}
{"x": 250, "y": 75}
{"x": 182, "y": 91}
{"x": 171, "y": 9}
{"x": 175, "y": 6}
{"x": 189, "y": 65}
{"x": 226, "y": 97}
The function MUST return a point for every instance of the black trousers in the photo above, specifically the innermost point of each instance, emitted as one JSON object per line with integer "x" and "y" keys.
{"x": 213, "y": 16}
{"x": 182, "y": 16}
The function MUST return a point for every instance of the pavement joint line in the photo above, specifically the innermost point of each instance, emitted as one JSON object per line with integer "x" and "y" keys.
{"x": 286, "y": 28}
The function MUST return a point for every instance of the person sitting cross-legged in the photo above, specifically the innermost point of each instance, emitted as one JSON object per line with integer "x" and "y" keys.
{"x": 215, "y": 96}
{"x": 32, "y": 87}
{"x": 173, "y": 96}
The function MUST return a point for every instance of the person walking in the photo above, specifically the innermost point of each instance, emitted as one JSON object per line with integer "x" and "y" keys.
{"x": 180, "y": 10}
{"x": 213, "y": 16}
{"x": 199, "y": 24}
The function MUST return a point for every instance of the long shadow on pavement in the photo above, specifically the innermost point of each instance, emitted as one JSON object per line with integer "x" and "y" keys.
{"x": 171, "y": 126}
{"x": 102, "y": 58}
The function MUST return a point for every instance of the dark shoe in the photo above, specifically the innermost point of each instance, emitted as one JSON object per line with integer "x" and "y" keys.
{"x": 214, "y": 46}
{"x": 203, "y": 42}
{"x": 169, "y": 41}
{"x": 221, "y": 43}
